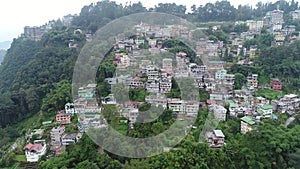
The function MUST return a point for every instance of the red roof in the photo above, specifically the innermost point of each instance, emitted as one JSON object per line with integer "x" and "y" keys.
{"x": 33, "y": 147}
{"x": 210, "y": 101}
{"x": 28, "y": 146}
{"x": 37, "y": 147}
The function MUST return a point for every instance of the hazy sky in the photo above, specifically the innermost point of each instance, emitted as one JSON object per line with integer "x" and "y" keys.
{"x": 15, "y": 14}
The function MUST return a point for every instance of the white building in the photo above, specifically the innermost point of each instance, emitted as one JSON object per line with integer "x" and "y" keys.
{"x": 34, "y": 151}
{"x": 70, "y": 109}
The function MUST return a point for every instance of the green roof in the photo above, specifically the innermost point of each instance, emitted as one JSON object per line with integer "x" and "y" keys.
{"x": 267, "y": 106}
{"x": 70, "y": 104}
{"x": 260, "y": 111}
{"x": 248, "y": 120}
{"x": 46, "y": 122}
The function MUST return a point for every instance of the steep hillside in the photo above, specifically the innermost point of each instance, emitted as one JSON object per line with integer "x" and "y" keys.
{"x": 2, "y": 54}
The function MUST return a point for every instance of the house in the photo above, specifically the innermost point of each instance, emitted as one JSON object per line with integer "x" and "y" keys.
{"x": 34, "y": 33}
{"x": 63, "y": 118}
{"x": 191, "y": 108}
{"x": 165, "y": 85}
{"x": 176, "y": 105}
{"x": 71, "y": 138}
{"x": 252, "y": 51}
{"x": 266, "y": 110}
{"x": 276, "y": 17}
{"x": 220, "y": 75}
{"x": 252, "y": 80}
{"x": 70, "y": 109}
{"x": 88, "y": 120}
{"x": 124, "y": 62}
{"x": 152, "y": 86}
{"x": 157, "y": 99}
{"x": 232, "y": 108}
{"x": 132, "y": 104}
{"x": 136, "y": 83}
{"x": 132, "y": 116}
{"x": 215, "y": 138}
{"x": 55, "y": 135}
{"x": 276, "y": 84}
{"x": 87, "y": 92}
{"x": 246, "y": 124}
{"x": 34, "y": 151}
{"x": 255, "y": 26}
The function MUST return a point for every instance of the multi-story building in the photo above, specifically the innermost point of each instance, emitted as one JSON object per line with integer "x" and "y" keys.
{"x": 35, "y": 151}
{"x": 220, "y": 75}
{"x": 255, "y": 26}
{"x": 246, "y": 124}
{"x": 176, "y": 105}
{"x": 215, "y": 138}
{"x": 157, "y": 99}
{"x": 276, "y": 17}
{"x": 266, "y": 110}
{"x": 34, "y": 33}
{"x": 276, "y": 84}
{"x": 252, "y": 80}
{"x": 191, "y": 108}
{"x": 70, "y": 138}
{"x": 63, "y": 118}
{"x": 70, "y": 109}
{"x": 87, "y": 92}
{"x": 56, "y": 134}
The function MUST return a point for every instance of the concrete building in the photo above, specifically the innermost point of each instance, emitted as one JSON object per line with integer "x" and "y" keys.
{"x": 34, "y": 152}
{"x": 55, "y": 135}
{"x": 246, "y": 124}
{"x": 215, "y": 138}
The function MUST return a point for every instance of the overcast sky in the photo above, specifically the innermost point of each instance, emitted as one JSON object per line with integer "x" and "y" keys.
{"x": 15, "y": 14}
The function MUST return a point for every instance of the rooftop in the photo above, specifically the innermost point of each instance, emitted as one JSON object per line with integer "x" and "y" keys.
{"x": 219, "y": 133}
{"x": 248, "y": 120}
{"x": 267, "y": 106}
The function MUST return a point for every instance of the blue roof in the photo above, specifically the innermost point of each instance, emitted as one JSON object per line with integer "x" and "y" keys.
{"x": 219, "y": 133}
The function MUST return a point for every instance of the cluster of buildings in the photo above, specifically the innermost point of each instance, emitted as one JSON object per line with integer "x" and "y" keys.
{"x": 59, "y": 139}
{"x": 88, "y": 109}
{"x": 156, "y": 78}
{"x": 273, "y": 22}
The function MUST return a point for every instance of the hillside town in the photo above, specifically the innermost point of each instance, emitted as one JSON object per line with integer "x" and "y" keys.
{"x": 223, "y": 101}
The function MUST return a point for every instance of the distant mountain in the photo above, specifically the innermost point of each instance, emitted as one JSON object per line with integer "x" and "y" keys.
{"x": 2, "y": 54}
{"x": 5, "y": 45}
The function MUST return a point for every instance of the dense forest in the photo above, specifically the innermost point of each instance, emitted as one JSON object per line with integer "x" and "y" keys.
{"x": 2, "y": 54}
{"x": 35, "y": 77}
